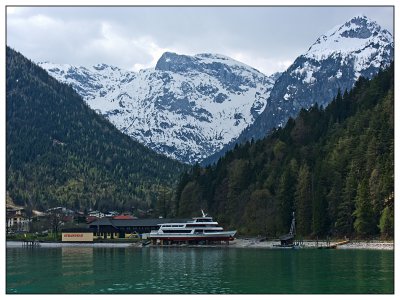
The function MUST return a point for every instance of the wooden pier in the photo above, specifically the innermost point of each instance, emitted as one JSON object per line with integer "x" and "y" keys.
{"x": 333, "y": 246}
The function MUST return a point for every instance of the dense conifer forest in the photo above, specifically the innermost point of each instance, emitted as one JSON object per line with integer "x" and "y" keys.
{"x": 333, "y": 166}
{"x": 60, "y": 152}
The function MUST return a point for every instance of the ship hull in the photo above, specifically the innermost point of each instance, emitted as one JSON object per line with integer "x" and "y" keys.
{"x": 225, "y": 236}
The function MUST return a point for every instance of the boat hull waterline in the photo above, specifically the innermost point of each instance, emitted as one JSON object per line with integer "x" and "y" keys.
{"x": 225, "y": 236}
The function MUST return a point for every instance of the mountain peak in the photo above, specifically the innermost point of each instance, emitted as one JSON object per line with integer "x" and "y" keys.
{"x": 354, "y": 36}
{"x": 202, "y": 62}
{"x": 360, "y": 19}
{"x": 360, "y": 27}
{"x": 187, "y": 107}
{"x": 171, "y": 61}
{"x": 212, "y": 56}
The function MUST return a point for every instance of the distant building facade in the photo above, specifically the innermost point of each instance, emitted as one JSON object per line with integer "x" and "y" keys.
{"x": 80, "y": 235}
{"x": 107, "y": 228}
{"x": 16, "y": 220}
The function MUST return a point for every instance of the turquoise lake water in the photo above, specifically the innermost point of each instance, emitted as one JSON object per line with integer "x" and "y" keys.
{"x": 83, "y": 270}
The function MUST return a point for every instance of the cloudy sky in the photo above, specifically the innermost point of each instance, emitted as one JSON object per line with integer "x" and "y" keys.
{"x": 267, "y": 38}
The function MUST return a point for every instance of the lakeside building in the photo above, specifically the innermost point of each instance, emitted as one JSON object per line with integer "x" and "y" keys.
{"x": 120, "y": 227}
{"x": 77, "y": 235}
{"x": 16, "y": 220}
{"x": 115, "y": 228}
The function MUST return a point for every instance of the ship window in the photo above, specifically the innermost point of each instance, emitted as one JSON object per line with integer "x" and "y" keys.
{"x": 196, "y": 225}
{"x": 204, "y": 220}
{"x": 176, "y": 231}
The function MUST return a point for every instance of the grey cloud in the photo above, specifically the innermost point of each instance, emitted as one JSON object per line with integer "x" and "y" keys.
{"x": 267, "y": 35}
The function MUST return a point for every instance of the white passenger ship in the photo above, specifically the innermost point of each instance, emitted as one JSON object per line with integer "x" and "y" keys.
{"x": 200, "y": 229}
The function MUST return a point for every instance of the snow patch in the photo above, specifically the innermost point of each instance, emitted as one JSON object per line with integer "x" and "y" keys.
{"x": 174, "y": 113}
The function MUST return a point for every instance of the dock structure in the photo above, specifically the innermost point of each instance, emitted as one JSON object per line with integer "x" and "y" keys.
{"x": 30, "y": 243}
{"x": 333, "y": 246}
{"x": 287, "y": 240}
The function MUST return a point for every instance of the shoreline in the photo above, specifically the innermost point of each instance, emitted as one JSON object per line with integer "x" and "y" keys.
{"x": 252, "y": 243}
{"x": 312, "y": 244}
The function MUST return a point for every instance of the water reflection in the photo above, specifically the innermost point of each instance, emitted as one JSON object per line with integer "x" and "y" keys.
{"x": 77, "y": 268}
{"x": 198, "y": 270}
{"x": 376, "y": 265}
{"x": 189, "y": 270}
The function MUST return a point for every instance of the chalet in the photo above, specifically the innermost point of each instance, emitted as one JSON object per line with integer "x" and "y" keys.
{"x": 16, "y": 220}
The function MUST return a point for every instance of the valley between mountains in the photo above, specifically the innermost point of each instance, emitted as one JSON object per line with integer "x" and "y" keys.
{"x": 195, "y": 108}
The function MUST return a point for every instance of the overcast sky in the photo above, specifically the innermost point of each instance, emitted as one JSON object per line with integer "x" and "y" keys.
{"x": 266, "y": 38}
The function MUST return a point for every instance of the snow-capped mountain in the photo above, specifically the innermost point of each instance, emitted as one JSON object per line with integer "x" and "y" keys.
{"x": 187, "y": 107}
{"x": 197, "y": 107}
{"x": 359, "y": 47}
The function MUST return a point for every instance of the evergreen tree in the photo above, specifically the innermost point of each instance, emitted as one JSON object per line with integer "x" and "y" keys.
{"x": 386, "y": 223}
{"x": 303, "y": 201}
{"x": 60, "y": 152}
{"x": 349, "y": 142}
{"x": 364, "y": 222}
{"x": 345, "y": 219}
{"x": 285, "y": 197}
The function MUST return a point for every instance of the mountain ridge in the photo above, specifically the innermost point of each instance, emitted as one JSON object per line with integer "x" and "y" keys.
{"x": 195, "y": 108}
{"x": 60, "y": 152}
{"x": 187, "y": 107}
{"x": 332, "y": 166}
{"x": 317, "y": 75}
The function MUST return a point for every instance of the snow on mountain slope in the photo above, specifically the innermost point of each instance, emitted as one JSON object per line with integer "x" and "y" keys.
{"x": 359, "y": 47}
{"x": 360, "y": 38}
{"x": 187, "y": 107}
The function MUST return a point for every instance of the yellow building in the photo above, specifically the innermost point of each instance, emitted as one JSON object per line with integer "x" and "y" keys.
{"x": 77, "y": 235}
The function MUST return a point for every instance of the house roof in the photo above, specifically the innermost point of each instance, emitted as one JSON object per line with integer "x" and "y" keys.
{"x": 90, "y": 219}
{"x": 38, "y": 213}
{"x": 102, "y": 222}
{"x": 135, "y": 222}
{"x": 286, "y": 237}
{"x": 123, "y": 217}
{"x": 77, "y": 230}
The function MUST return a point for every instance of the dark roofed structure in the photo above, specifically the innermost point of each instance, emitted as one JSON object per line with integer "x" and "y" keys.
{"x": 77, "y": 230}
{"x": 287, "y": 240}
{"x": 134, "y": 222}
{"x": 123, "y": 217}
{"x": 117, "y": 227}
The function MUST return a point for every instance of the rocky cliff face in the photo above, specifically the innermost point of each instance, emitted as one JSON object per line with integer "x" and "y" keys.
{"x": 195, "y": 108}
{"x": 187, "y": 107}
{"x": 359, "y": 47}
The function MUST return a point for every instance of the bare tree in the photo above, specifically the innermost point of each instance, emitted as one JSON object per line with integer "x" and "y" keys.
{"x": 55, "y": 222}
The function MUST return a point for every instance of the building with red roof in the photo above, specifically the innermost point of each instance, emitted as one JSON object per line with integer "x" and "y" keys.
{"x": 124, "y": 217}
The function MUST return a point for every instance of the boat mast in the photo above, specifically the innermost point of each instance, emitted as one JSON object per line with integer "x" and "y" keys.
{"x": 293, "y": 226}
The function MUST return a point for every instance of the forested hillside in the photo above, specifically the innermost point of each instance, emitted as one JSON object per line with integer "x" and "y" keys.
{"x": 60, "y": 152}
{"x": 334, "y": 167}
